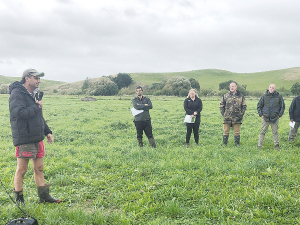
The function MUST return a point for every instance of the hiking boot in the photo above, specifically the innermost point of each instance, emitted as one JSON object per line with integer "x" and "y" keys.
{"x": 237, "y": 140}
{"x": 277, "y": 147}
{"x": 43, "y": 192}
{"x": 225, "y": 140}
{"x": 140, "y": 141}
{"x": 152, "y": 142}
{"x": 187, "y": 145}
{"x": 19, "y": 197}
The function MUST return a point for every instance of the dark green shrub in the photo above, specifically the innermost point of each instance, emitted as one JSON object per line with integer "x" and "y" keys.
{"x": 104, "y": 86}
{"x": 195, "y": 84}
{"x": 295, "y": 89}
{"x": 208, "y": 92}
{"x": 122, "y": 80}
{"x": 225, "y": 84}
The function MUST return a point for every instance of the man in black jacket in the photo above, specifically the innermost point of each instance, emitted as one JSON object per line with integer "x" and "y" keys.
{"x": 28, "y": 131}
{"x": 142, "y": 120}
{"x": 270, "y": 108}
{"x": 294, "y": 112}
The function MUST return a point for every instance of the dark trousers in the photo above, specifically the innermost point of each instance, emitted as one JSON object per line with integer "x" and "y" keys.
{"x": 192, "y": 127}
{"x": 143, "y": 126}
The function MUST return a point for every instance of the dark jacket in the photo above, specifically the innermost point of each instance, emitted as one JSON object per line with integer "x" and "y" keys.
{"x": 26, "y": 118}
{"x": 139, "y": 104}
{"x": 294, "y": 110}
{"x": 271, "y": 106}
{"x": 191, "y": 106}
{"x": 233, "y": 107}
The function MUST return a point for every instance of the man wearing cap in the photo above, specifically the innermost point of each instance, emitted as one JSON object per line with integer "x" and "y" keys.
{"x": 28, "y": 131}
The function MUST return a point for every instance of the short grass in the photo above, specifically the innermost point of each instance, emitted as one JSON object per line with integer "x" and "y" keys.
{"x": 103, "y": 177}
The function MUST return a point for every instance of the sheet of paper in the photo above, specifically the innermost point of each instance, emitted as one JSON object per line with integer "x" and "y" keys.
{"x": 292, "y": 124}
{"x": 188, "y": 119}
{"x": 136, "y": 111}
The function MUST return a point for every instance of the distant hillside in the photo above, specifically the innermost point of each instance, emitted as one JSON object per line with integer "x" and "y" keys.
{"x": 44, "y": 83}
{"x": 68, "y": 88}
{"x": 210, "y": 78}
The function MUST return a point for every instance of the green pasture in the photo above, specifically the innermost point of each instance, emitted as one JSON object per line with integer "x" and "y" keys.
{"x": 103, "y": 177}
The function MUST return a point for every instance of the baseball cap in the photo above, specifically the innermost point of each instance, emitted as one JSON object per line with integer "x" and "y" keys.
{"x": 32, "y": 72}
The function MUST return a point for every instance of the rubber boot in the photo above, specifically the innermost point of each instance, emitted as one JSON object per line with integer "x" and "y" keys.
{"x": 225, "y": 140}
{"x": 19, "y": 197}
{"x": 43, "y": 192}
{"x": 237, "y": 140}
{"x": 140, "y": 141}
{"x": 152, "y": 142}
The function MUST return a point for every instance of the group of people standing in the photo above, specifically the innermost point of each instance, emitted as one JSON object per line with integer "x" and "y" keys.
{"x": 29, "y": 127}
{"x": 232, "y": 107}
{"x": 270, "y": 108}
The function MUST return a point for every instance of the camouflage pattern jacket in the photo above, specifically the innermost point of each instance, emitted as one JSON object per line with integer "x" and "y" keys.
{"x": 233, "y": 107}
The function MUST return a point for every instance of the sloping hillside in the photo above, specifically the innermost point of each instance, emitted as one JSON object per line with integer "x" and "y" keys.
{"x": 44, "y": 83}
{"x": 208, "y": 78}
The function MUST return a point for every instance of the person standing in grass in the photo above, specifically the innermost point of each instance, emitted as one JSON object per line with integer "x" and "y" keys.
{"x": 270, "y": 108}
{"x": 28, "y": 131}
{"x": 294, "y": 112}
{"x": 232, "y": 107}
{"x": 192, "y": 106}
{"x": 142, "y": 120}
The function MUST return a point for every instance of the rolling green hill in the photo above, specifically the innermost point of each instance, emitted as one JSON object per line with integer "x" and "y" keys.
{"x": 44, "y": 83}
{"x": 210, "y": 78}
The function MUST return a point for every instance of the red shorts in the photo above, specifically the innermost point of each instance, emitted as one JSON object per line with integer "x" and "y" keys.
{"x": 40, "y": 153}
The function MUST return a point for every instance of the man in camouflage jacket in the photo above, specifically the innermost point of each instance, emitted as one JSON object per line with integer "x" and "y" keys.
{"x": 232, "y": 107}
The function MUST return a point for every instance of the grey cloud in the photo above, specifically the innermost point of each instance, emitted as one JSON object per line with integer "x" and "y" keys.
{"x": 71, "y": 43}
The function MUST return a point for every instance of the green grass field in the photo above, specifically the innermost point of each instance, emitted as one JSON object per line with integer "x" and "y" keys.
{"x": 103, "y": 177}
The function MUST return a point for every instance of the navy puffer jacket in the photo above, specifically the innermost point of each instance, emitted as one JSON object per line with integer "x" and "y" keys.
{"x": 26, "y": 118}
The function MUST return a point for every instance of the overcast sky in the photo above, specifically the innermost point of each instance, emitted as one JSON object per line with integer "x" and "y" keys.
{"x": 70, "y": 40}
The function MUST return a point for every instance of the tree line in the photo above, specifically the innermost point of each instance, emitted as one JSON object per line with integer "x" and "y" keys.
{"x": 174, "y": 86}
